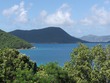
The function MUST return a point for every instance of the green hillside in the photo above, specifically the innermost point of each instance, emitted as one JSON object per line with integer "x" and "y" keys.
{"x": 9, "y": 41}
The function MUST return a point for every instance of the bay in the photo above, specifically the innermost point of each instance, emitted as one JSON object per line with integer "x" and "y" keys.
{"x": 45, "y": 53}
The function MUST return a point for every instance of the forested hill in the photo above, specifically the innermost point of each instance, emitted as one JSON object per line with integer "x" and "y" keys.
{"x": 9, "y": 41}
{"x": 46, "y": 35}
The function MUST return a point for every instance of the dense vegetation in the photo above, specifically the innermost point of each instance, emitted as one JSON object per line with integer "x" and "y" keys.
{"x": 15, "y": 67}
{"x": 87, "y": 65}
{"x": 8, "y": 40}
{"x": 46, "y": 35}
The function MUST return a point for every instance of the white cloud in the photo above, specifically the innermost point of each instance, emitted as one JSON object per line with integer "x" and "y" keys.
{"x": 17, "y": 12}
{"x": 100, "y": 16}
{"x": 10, "y": 11}
{"x": 86, "y": 21}
{"x": 22, "y": 16}
{"x": 61, "y": 17}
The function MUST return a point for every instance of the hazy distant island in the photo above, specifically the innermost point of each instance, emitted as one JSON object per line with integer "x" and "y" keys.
{"x": 46, "y": 35}
{"x": 9, "y": 41}
{"x": 94, "y": 38}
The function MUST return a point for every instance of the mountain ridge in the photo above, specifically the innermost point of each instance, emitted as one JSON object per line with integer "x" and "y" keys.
{"x": 46, "y": 35}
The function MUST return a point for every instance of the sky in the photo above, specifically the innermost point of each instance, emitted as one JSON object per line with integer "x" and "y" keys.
{"x": 76, "y": 17}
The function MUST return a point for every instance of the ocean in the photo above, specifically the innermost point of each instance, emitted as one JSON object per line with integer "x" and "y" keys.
{"x": 60, "y": 53}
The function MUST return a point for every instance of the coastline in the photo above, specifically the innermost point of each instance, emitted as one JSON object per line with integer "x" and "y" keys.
{"x": 27, "y": 48}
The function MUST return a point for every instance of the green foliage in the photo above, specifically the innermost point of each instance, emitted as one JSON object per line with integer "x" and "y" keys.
{"x": 87, "y": 65}
{"x": 80, "y": 64}
{"x": 15, "y": 67}
{"x": 52, "y": 73}
{"x": 10, "y": 41}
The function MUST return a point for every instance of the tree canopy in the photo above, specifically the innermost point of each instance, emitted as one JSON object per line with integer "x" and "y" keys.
{"x": 87, "y": 65}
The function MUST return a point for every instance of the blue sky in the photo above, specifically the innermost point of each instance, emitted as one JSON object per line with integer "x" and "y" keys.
{"x": 77, "y": 17}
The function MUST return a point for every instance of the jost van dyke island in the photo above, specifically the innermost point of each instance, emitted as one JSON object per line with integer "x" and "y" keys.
{"x": 55, "y": 41}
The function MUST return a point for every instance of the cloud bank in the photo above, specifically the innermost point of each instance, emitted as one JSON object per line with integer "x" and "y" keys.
{"x": 99, "y": 16}
{"x": 17, "y": 12}
{"x": 62, "y": 17}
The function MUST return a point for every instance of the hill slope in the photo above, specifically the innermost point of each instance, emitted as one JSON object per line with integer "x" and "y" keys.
{"x": 9, "y": 41}
{"x": 93, "y": 38}
{"x": 46, "y": 35}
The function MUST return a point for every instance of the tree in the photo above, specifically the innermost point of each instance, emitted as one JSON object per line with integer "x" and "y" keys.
{"x": 53, "y": 73}
{"x": 89, "y": 65}
{"x": 99, "y": 58}
{"x": 79, "y": 68}
{"x": 15, "y": 66}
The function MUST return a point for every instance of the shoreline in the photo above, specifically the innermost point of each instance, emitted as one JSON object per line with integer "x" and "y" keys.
{"x": 26, "y": 48}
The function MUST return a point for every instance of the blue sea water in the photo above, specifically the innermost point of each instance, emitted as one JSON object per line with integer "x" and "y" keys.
{"x": 44, "y": 53}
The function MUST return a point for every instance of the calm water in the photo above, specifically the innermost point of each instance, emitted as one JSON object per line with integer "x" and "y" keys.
{"x": 44, "y": 53}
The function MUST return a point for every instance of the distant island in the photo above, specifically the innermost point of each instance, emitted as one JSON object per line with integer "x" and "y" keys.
{"x": 94, "y": 38}
{"x": 9, "y": 41}
{"x": 46, "y": 35}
